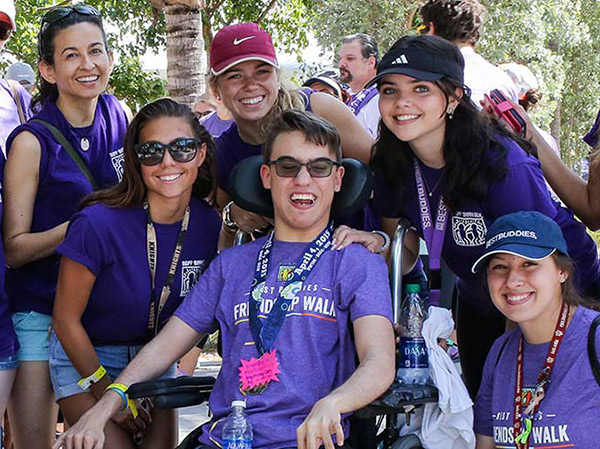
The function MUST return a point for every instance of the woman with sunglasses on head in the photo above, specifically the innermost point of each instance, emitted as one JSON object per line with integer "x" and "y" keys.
{"x": 245, "y": 75}
{"x": 129, "y": 258}
{"x": 452, "y": 171}
{"x": 538, "y": 387}
{"x": 43, "y": 186}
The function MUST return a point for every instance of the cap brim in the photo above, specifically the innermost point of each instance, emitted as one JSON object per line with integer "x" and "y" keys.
{"x": 413, "y": 73}
{"x": 526, "y": 251}
{"x": 226, "y": 65}
{"x": 318, "y": 79}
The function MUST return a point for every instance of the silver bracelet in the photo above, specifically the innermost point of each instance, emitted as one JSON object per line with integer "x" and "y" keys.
{"x": 386, "y": 240}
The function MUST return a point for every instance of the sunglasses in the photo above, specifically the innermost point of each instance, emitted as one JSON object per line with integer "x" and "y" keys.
{"x": 288, "y": 167}
{"x": 181, "y": 149}
{"x": 60, "y": 12}
{"x": 5, "y": 30}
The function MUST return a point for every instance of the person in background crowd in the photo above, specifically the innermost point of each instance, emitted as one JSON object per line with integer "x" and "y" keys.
{"x": 218, "y": 121}
{"x": 22, "y": 73}
{"x": 204, "y": 106}
{"x": 538, "y": 378}
{"x": 169, "y": 170}
{"x": 325, "y": 84}
{"x": 357, "y": 62}
{"x": 295, "y": 409}
{"x": 14, "y": 109}
{"x": 43, "y": 186}
{"x": 451, "y": 193}
{"x": 246, "y": 77}
{"x": 460, "y": 21}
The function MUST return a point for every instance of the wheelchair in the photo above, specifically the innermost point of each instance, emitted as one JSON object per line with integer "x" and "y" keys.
{"x": 400, "y": 400}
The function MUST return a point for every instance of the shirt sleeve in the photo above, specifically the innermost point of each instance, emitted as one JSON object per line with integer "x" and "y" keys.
{"x": 199, "y": 308}
{"x": 83, "y": 244}
{"x": 364, "y": 287}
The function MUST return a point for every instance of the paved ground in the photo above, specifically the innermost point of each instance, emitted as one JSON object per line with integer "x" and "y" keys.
{"x": 192, "y": 417}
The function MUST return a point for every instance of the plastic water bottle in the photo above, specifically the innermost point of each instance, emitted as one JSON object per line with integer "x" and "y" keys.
{"x": 237, "y": 431}
{"x": 413, "y": 367}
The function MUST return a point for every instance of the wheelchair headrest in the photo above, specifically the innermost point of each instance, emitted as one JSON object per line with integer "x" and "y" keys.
{"x": 246, "y": 189}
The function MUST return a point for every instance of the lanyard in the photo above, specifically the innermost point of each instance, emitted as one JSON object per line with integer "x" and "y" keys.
{"x": 522, "y": 437}
{"x": 433, "y": 235}
{"x": 152, "y": 251}
{"x": 265, "y": 333}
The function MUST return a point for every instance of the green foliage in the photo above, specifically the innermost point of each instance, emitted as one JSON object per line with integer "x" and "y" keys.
{"x": 148, "y": 86}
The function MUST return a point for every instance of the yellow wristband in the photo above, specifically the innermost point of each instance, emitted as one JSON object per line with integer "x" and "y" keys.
{"x": 86, "y": 382}
{"x": 122, "y": 389}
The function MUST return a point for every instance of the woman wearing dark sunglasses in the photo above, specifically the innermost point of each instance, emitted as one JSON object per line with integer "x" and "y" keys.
{"x": 43, "y": 187}
{"x": 129, "y": 258}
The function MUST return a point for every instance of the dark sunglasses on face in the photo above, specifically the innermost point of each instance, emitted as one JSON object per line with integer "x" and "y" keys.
{"x": 60, "y": 12}
{"x": 181, "y": 149}
{"x": 288, "y": 167}
{"x": 5, "y": 30}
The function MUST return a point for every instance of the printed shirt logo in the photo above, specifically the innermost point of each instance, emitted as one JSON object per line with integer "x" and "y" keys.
{"x": 400, "y": 60}
{"x": 190, "y": 273}
{"x": 237, "y": 41}
{"x": 284, "y": 272}
{"x": 117, "y": 159}
{"x": 468, "y": 229}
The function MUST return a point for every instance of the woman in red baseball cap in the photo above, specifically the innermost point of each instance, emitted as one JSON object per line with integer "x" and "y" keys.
{"x": 245, "y": 75}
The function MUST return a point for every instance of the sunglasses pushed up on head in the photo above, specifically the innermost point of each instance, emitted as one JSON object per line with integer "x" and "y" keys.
{"x": 181, "y": 149}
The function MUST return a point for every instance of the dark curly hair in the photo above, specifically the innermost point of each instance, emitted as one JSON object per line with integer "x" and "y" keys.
{"x": 455, "y": 20}
{"x": 468, "y": 139}
{"x": 132, "y": 190}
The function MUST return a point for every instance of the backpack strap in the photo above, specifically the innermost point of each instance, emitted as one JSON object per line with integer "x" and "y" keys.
{"x": 15, "y": 94}
{"x": 70, "y": 150}
{"x": 592, "y": 354}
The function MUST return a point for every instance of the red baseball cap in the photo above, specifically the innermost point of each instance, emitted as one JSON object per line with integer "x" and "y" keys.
{"x": 239, "y": 43}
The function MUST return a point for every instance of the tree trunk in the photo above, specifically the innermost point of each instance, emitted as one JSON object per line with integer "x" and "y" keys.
{"x": 186, "y": 57}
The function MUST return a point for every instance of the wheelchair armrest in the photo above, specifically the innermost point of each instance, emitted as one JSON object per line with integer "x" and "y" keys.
{"x": 174, "y": 393}
{"x": 397, "y": 398}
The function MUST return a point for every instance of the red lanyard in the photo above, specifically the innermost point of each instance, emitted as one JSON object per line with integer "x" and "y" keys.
{"x": 522, "y": 436}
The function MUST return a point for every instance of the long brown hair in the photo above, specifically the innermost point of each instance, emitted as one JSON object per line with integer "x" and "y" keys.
{"x": 132, "y": 190}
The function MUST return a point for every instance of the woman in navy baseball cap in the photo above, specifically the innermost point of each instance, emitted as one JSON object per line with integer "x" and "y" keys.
{"x": 452, "y": 171}
{"x": 538, "y": 377}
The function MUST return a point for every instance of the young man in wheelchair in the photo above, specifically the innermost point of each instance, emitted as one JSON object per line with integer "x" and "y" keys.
{"x": 292, "y": 312}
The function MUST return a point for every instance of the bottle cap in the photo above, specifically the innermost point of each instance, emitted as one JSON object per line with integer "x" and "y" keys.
{"x": 238, "y": 404}
{"x": 413, "y": 288}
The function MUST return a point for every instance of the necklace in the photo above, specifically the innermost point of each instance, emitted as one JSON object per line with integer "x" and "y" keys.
{"x": 84, "y": 143}
{"x": 430, "y": 191}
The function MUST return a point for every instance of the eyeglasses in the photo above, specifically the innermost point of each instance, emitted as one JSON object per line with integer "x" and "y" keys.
{"x": 288, "y": 167}
{"x": 5, "y": 30}
{"x": 60, "y": 12}
{"x": 181, "y": 149}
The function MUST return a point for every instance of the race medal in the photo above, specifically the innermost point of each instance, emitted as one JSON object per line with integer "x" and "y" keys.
{"x": 256, "y": 374}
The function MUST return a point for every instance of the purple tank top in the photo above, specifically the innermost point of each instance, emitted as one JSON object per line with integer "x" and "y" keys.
{"x": 61, "y": 188}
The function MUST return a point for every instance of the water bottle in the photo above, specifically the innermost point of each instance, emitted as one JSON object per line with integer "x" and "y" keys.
{"x": 413, "y": 367}
{"x": 237, "y": 431}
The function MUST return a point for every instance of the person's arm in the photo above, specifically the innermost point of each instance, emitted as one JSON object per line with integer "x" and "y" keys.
{"x": 356, "y": 141}
{"x": 175, "y": 339}
{"x": 21, "y": 180}
{"x": 374, "y": 339}
{"x": 484, "y": 442}
{"x": 246, "y": 221}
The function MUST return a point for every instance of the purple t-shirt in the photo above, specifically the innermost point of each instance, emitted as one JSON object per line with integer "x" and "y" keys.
{"x": 111, "y": 243}
{"x": 214, "y": 125}
{"x": 314, "y": 347}
{"x": 568, "y": 413}
{"x": 9, "y": 114}
{"x": 8, "y": 339}
{"x": 62, "y": 185}
{"x": 523, "y": 188}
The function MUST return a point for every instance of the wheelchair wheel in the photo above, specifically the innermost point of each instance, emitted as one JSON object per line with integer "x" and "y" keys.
{"x": 407, "y": 442}
{"x": 191, "y": 441}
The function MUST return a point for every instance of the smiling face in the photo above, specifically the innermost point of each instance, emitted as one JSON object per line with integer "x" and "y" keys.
{"x": 170, "y": 179}
{"x": 525, "y": 291}
{"x": 248, "y": 90}
{"x": 82, "y": 64}
{"x": 302, "y": 204}
{"x": 415, "y": 111}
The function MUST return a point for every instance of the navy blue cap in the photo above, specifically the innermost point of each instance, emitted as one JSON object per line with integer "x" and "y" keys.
{"x": 529, "y": 234}
{"x": 591, "y": 138}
